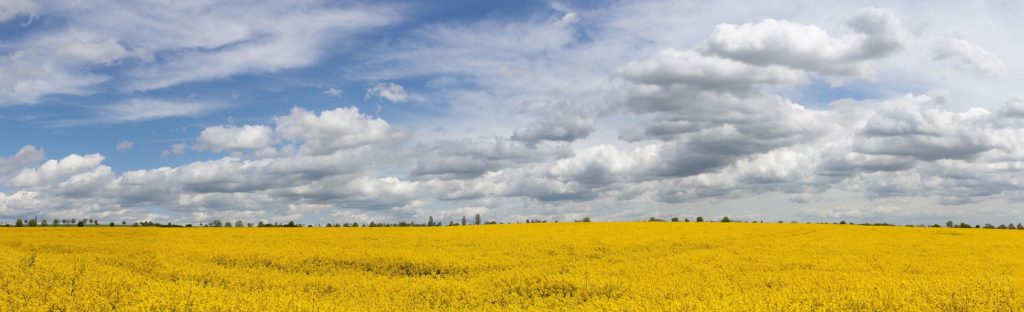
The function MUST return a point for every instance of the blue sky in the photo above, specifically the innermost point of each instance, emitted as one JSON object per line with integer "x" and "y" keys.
{"x": 326, "y": 111}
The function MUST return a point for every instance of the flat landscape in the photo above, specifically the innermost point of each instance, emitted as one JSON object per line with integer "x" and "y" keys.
{"x": 550, "y": 266}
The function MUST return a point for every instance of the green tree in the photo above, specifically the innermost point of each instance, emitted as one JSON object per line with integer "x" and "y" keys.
{"x": 949, "y": 224}
{"x": 675, "y": 219}
{"x": 726, "y": 219}
{"x": 477, "y": 219}
{"x": 18, "y": 223}
{"x": 430, "y": 222}
{"x": 32, "y": 222}
{"x": 700, "y": 219}
{"x": 463, "y": 220}
{"x": 81, "y": 223}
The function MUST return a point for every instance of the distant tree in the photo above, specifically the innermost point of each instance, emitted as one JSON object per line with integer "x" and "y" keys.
{"x": 675, "y": 219}
{"x": 949, "y": 224}
{"x": 1002, "y": 226}
{"x": 1020, "y": 226}
{"x": 43, "y": 223}
{"x": 228, "y": 224}
{"x": 700, "y": 219}
{"x": 726, "y": 219}
{"x": 239, "y": 223}
{"x": 477, "y": 219}
{"x": 842, "y": 221}
{"x": 81, "y": 223}
{"x": 55, "y": 222}
{"x": 32, "y": 222}
{"x": 111, "y": 224}
{"x": 291, "y": 223}
{"x": 430, "y": 222}
{"x": 260, "y": 224}
{"x": 686, "y": 220}
{"x": 19, "y": 223}
{"x": 463, "y": 220}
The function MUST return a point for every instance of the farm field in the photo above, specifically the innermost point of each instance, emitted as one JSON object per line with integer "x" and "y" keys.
{"x": 552, "y": 266}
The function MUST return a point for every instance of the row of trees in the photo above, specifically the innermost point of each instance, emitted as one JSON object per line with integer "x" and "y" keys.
{"x": 477, "y": 220}
{"x": 55, "y": 222}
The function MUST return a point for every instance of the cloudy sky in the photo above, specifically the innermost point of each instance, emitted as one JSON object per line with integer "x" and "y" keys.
{"x": 320, "y": 111}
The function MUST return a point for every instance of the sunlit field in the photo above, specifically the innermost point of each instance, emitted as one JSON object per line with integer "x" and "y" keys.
{"x": 565, "y": 266}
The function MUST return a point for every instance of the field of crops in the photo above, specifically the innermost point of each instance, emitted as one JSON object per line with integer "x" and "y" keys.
{"x": 566, "y": 266}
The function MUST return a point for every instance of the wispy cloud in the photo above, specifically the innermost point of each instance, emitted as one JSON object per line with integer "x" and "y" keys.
{"x": 144, "y": 109}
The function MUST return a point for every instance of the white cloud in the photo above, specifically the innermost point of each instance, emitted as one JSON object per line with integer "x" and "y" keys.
{"x": 27, "y": 156}
{"x": 25, "y": 78}
{"x": 389, "y": 91}
{"x": 333, "y": 92}
{"x": 670, "y": 67}
{"x": 970, "y": 55}
{"x": 143, "y": 109}
{"x": 556, "y": 127}
{"x": 12, "y": 8}
{"x": 103, "y": 52}
{"x": 125, "y": 146}
{"x": 55, "y": 170}
{"x": 174, "y": 43}
{"x": 176, "y": 149}
{"x": 229, "y": 138}
{"x": 779, "y": 42}
{"x": 332, "y": 130}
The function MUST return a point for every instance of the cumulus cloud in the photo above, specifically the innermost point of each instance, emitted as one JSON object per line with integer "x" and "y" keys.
{"x": 878, "y": 33}
{"x": 389, "y": 91}
{"x": 341, "y": 176}
{"x": 566, "y": 127}
{"x": 229, "y": 138}
{"x": 332, "y": 130}
{"x": 27, "y": 156}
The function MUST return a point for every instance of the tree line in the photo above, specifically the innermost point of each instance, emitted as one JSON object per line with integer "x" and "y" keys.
{"x": 477, "y": 220}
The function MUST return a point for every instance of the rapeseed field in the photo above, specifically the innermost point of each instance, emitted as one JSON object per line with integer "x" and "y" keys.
{"x": 552, "y": 266}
